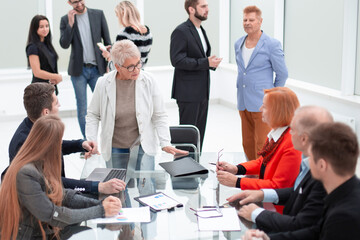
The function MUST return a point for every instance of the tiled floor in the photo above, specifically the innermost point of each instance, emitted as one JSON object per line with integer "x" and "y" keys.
{"x": 223, "y": 131}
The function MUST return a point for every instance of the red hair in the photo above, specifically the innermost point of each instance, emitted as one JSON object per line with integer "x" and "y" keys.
{"x": 42, "y": 147}
{"x": 282, "y": 103}
{"x": 251, "y": 9}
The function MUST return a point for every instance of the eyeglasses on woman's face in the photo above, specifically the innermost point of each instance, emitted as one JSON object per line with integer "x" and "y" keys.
{"x": 131, "y": 68}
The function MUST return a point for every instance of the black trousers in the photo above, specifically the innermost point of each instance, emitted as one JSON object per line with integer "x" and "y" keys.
{"x": 194, "y": 113}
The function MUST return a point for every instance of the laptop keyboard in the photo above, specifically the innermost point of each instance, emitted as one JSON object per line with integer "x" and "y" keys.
{"x": 116, "y": 173}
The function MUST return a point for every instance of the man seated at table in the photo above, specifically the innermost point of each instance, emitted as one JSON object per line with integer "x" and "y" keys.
{"x": 334, "y": 152}
{"x": 40, "y": 99}
{"x": 303, "y": 203}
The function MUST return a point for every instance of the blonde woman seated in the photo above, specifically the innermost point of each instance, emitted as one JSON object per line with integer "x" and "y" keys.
{"x": 34, "y": 204}
{"x": 129, "y": 106}
{"x": 279, "y": 163}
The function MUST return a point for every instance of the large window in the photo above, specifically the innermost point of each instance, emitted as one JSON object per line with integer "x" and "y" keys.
{"x": 15, "y": 22}
{"x": 236, "y": 17}
{"x": 313, "y": 41}
{"x": 162, "y": 17}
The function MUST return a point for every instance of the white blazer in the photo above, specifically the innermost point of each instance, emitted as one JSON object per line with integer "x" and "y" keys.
{"x": 150, "y": 114}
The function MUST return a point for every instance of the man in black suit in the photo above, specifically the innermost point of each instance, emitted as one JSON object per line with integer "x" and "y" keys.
{"x": 334, "y": 152}
{"x": 190, "y": 55}
{"x": 303, "y": 203}
{"x": 82, "y": 28}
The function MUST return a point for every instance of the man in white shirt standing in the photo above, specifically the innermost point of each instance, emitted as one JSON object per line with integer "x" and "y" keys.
{"x": 258, "y": 56}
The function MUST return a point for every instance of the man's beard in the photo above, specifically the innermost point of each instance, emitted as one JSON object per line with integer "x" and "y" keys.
{"x": 198, "y": 16}
{"x": 81, "y": 11}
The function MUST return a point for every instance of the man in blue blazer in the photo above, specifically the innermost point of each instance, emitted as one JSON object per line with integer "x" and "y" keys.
{"x": 258, "y": 56}
{"x": 190, "y": 55}
{"x": 82, "y": 28}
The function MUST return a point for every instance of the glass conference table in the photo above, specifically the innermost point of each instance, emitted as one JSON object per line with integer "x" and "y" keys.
{"x": 181, "y": 223}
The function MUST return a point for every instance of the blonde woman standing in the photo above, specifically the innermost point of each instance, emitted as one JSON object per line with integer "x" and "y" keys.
{"x": 133, "y": 30}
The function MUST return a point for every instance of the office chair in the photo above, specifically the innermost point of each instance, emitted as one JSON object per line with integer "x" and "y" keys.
{"x": 186, "y": 136}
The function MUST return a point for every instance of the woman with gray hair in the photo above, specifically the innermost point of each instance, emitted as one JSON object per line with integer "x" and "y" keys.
{"x": 129, "y": 106}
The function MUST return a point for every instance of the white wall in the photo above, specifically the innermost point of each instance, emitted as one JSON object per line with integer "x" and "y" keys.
{"x": 344, "y": 108}
{"x": 309, "y": 36}
{"x": 12, "y": 85}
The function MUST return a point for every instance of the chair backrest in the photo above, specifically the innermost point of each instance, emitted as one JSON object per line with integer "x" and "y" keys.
{"x": 186, "y": 136}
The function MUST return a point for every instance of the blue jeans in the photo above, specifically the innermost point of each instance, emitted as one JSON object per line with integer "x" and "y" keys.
{"x": 89, "y": 76}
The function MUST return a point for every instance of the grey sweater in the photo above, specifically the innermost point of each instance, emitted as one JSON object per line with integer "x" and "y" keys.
{"x": 35, "y": 205}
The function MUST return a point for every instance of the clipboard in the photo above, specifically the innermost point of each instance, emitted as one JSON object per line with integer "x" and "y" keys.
{"x": 158, "y": 201}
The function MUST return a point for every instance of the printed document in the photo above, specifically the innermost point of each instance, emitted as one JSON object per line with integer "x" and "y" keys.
{"x": 127, "y": 215}
{"x": 229, "y": 221}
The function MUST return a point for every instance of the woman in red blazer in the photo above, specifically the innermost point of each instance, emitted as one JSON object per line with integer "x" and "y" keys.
{"x": 279, "y": 163}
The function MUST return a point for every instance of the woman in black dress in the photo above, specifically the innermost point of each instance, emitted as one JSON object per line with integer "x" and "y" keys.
{"x": 42, "y": 57}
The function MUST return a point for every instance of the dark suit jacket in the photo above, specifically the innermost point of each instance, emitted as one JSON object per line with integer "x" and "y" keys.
{"x": 71, "y": 36}
{"x": 340, "y": 218}
{"x": 303, "y": 207}
{"x": 191, "y": 81}
{"x": 67, "y": 147}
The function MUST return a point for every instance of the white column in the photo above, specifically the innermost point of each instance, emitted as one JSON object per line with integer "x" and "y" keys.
{"x": 349, "y": 47}
{"x": 224, "y": 30}
{"x": 279, "y": 8}
{"x": 141, "y": 7}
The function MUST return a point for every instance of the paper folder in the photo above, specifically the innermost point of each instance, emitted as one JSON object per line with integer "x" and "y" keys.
{"x": 184, "y": 167}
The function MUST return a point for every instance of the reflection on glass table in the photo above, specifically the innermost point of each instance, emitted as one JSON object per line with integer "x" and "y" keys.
{"x": 148, "y": 177}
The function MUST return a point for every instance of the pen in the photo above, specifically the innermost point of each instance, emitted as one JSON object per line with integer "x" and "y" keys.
{"x": 219, "y": 156}
{"x": 227, "y": 204}
{"x": 210, "y": 208}
{"x": 212, "y": 163}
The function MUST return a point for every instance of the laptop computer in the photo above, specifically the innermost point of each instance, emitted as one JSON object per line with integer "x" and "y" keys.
{"x": 105, "y": 174}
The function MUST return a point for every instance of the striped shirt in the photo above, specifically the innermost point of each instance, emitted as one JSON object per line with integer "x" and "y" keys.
{"x": 142, "y": 41}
